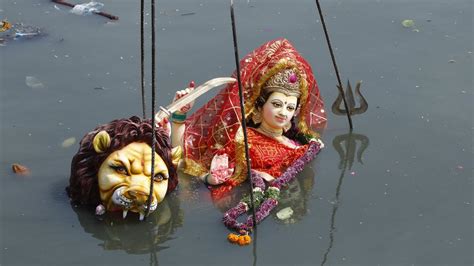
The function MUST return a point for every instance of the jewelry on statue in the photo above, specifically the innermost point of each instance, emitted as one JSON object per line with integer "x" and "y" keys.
{"x": 257, "y": 117}
{"x": 178, "y": 118}
{"x": 287, "y": 126}
{"x": 285, "y": 81}
{"x": 269, "y": 131}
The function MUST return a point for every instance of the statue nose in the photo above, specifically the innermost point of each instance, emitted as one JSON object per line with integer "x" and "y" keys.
{"x": 138, "y": 196}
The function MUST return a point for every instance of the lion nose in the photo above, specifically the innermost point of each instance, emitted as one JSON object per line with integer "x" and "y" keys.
{"x": 138, "y": 196}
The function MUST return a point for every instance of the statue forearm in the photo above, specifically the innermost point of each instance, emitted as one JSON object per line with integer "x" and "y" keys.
{"x": 177, "y": 132}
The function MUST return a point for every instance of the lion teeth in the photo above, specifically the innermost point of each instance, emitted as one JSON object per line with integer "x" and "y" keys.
{"x": 142, "y": 216}
{"x": 124, "y": 214}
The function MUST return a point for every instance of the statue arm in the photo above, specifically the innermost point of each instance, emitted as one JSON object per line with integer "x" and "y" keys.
{"x": 177, "y": 133}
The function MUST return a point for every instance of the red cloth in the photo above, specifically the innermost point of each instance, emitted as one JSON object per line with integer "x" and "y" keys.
{"x": 271, "y": 156}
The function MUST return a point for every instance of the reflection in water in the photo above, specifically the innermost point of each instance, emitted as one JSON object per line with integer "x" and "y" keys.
{"x": 346, "y": 156}
{"x": 131, "y": 235}
{"x": 295, "y": 195}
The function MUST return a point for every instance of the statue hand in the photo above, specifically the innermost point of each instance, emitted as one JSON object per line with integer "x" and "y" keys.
{"x": 182, "y": 93}
{"x": 220, "y": 170}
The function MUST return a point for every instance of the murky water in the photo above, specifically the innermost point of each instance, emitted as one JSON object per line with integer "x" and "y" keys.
{"x": 407, "y": 201}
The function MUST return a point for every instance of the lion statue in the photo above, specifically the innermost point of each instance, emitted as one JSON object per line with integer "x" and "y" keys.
{"x": 113, "y": 167}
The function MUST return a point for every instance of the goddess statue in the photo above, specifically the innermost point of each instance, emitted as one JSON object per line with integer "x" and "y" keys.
{"x": 282, "y": 107}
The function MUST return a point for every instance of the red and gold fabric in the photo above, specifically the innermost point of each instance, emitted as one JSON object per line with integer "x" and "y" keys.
{"x": 271, "y": 156}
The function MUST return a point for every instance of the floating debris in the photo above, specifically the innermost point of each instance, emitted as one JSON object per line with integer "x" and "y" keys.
{"x": 17, "y": 31}
{"x": 20, "y": 169}
{"x": 33, "y": 82}
{"x": 285, "y": 213}
{"x": 5, "y": 26}
{"x": 452, "y": 61}
{"x": 408, "y": 23}
{"x": 68, "y": 142}
{"x": 87, "y": 8}
{"x": 188, "y": 14}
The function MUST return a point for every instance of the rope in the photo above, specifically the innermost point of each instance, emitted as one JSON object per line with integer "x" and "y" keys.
{"x": 242, "y": 110}
{"x": 153, "y": 90}
{"x": 341, "y": 91}
{"x": 142, "y": 55}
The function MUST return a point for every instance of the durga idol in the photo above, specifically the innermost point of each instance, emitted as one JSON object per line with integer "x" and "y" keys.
{"x": 282, "y": 107}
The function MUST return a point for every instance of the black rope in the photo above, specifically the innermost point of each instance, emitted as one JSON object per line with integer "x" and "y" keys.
{"x": 142, "y": 56}
{"x": 341, "y": 91}
{"x": 242, "y": 110}
{"x": 153, "y": 90}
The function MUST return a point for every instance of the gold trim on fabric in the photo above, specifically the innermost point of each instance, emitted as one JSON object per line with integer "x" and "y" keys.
{"x": 240, "y": 172}
{"x": 193, "y": 168}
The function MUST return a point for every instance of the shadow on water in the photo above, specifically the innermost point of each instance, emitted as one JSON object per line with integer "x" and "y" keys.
{"x": 346, "y": 146}
{"x": 132, "y": 235}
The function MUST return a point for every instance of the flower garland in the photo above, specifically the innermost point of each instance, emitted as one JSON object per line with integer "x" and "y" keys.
{"x": 265, "y": 199}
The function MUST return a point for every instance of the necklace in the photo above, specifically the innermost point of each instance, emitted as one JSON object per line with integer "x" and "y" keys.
{"x": 270, "y": 132}
{"x": 277, "y": 135}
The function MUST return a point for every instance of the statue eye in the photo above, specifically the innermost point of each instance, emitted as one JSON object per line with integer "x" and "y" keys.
{"x": 276, "y": 104}
{"x": 120, "y": 169}
{"x": 291, "y": 108}
{"x": 160, "y": 177}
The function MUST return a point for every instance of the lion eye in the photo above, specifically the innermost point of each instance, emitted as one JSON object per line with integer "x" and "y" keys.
{"x": 120, "y": 169}
{"x": 159, "y": 177}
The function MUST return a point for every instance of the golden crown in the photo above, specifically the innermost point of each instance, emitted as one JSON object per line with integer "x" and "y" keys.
{"x": 285, "y": 81}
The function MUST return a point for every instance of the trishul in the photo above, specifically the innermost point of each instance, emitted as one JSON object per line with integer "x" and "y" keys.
{"x": 347, "y": 154}
{"x": 336, "y": 109}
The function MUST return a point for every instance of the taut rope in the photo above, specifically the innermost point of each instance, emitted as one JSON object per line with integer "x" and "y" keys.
{"x": 341, "y": 91}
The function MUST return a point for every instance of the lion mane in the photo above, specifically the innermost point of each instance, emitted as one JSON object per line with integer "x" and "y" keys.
{"x": 83, "y": 183}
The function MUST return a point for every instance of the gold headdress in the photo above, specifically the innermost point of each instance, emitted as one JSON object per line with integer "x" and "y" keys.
{"x": 285, "y": 81}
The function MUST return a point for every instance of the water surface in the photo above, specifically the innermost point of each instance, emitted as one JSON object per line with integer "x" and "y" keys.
{"x": 408, "y": 201}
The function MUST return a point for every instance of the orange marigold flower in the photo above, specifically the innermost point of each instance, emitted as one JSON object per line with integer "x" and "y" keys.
{"x": 244, "y": 240}
{"x": 233, "y": 238}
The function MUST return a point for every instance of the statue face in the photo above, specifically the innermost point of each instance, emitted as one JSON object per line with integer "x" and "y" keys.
{"x": 278, "y": 110}
{"x": 124, "y": 179}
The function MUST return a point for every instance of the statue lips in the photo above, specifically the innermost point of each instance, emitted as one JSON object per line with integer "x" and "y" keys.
{"x": 281, "y": 119}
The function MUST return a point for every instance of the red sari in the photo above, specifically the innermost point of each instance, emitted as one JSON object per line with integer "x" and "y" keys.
{"x": 271, "y": 156}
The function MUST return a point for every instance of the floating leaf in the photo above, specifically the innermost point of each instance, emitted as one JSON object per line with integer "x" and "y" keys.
{"x": 408, "y": 23}
{"x": 285, "y": 213}
{"x": 68, "y": 142}
{"x": 20, "y": 169}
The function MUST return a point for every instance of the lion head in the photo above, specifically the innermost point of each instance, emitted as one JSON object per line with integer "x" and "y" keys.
{"x": 113, "y": 167}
